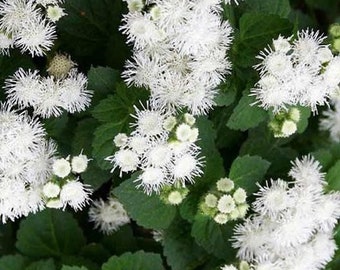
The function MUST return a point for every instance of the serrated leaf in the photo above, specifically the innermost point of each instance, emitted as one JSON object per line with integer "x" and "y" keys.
{"x": 134, "y": 261}
{"x": 79, "y": 261}
{"x": 42, "y": 265}
{"x": 245, "y": 115}
{"x": 214, "y": 238}
{"x": 118, "y": 107}
{"x": 333, "y": 176}
{"x": 281, "y": 8}
{"x": 180, "y": 249}
{"x": 66, "y": 267}
{"x": 246, "y": 171}
{"x": 49, "y": 233}
{"x": 13, "y": 262}
{"x": 102, "y": 80}
{"x": 257, "y": 31}
{"x": 138, "y": 205}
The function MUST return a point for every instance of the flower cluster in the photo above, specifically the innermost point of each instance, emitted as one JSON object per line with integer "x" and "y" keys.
{"x": 65, "y": 88}
{"x": 25, "y": 163}
{"x": 296, "y": 72}
{"x": 162, "y": 147}
{"x": 225, "y": 202}
{"x": 108, "y": 215}
{"x": 179, "y": 52}
{"x": 63, "y": 188}
{"x": 173, "y": 194}
{"x": 292, "y": 225}
{"x": 285, "y": 123}
{"x": 29, "y": 25}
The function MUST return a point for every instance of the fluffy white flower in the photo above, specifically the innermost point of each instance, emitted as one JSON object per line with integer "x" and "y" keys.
{"x": 240, "y": 196}
{"x": 307, "y": 171}
{"x": 120, "y": 139}
{"x": 75, "y": 194}
{"x": 54, "y": 203}
{"x": 221, "y": 218}
{"x": 125, "y": 159}
{"x": 175, "y": 197}
{"x": 331, "y": 122}
{"x": 108, "y": 215}
{"x": 225, "y": 185}
{"x": 61, "y": 167}
{"x": 183, "y": 132}
{"x": 288, "y": 128}
{"x": 152, "y": 179}
{"x": 179, "y": 52}
{"x": 210, "y": 200}
{"x": 292, "y": 75}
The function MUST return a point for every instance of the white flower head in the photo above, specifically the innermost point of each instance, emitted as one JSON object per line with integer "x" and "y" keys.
{"x": 211, "y": 200}
{"x": 226, "y": 204}
{"x": 225, "y": 185}
{"x": 152, "y": 179}
{"x": 221, "y": 218}
{"x": 61, "y": 167}
{"x": 127, "y": 160}
{"x": 307, "y": 171}
{"x": 79, "y": 163}
{"x": 51, "y": 190}
{"x": 75, "y": 194}
{"x": 183, "y": 132}
{"x": 175, "y": 197}
{"x": 108, "y": 215}
{"x": 288, "y": 128}
{"x": 120, "y": 139}
{"x": 54, "y": 13}
{"x": 240, "y": 196}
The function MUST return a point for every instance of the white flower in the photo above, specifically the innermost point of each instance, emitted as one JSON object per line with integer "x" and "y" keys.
{"x": 75, "y": 194}
{"x": 221, "y": 218}
{"x": 6, "y": 43}
{"x": 79, "y": 163}
{"x": 61, "y": 167}
{"x": 240, "y": 195}
{"x": 210, "y": 200}
{"x": 125, "y": 159}
{"x": 36, "y": 37}
{"x": 189, "y": 119}
{"x": 288, "y": 128}
{"x": 54, "y": 203}
{"x": 274, "y": 199}
{"x": 120, "y": 139}
{"x": 175, "y": 197}
{"x": 307, "y": 171}
{"x": 51, "y": 190}
{"x": 54, "y": 13}
{"x": 152, "y": 179}
{"x": 108, "y": 216}
{"x": 225, "y": 185}
{"x": 186, "y": 168}
{"x": 226, "y": 204}
{"x": 169, "y": 123}
{"x": 183, "y": 132}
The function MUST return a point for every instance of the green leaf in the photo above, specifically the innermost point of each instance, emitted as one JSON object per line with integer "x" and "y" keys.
{"x": 118, "y": 107}
{"x": 225, "y": 97}
{"x": 333, "y": 176}
{"x": 303, "y": 122}
{"x": 257, "y": 31}
{"x": 95, "y": 252}
{"x": 134, "y": 261}
{"x": 281, "y": 8}
{"x": 42, "y": 265}
{"x": 13, "y": 262}
{"x": 102, "y": 80}
{"x": 180, "y": 249}
{"x": 83, "y": 134}
{"x": 324, "y": 156}
{"x": 148, "y": 211}
{"x": 103, "y": 143}
{"x": 214, "y": 238}
{"x": 90, "y": 33}
{"x": 245, "y": 115}
{"x": 49, "y": 233}
{"x": 247, "y": 170}
{"x": 66, "y": 267}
